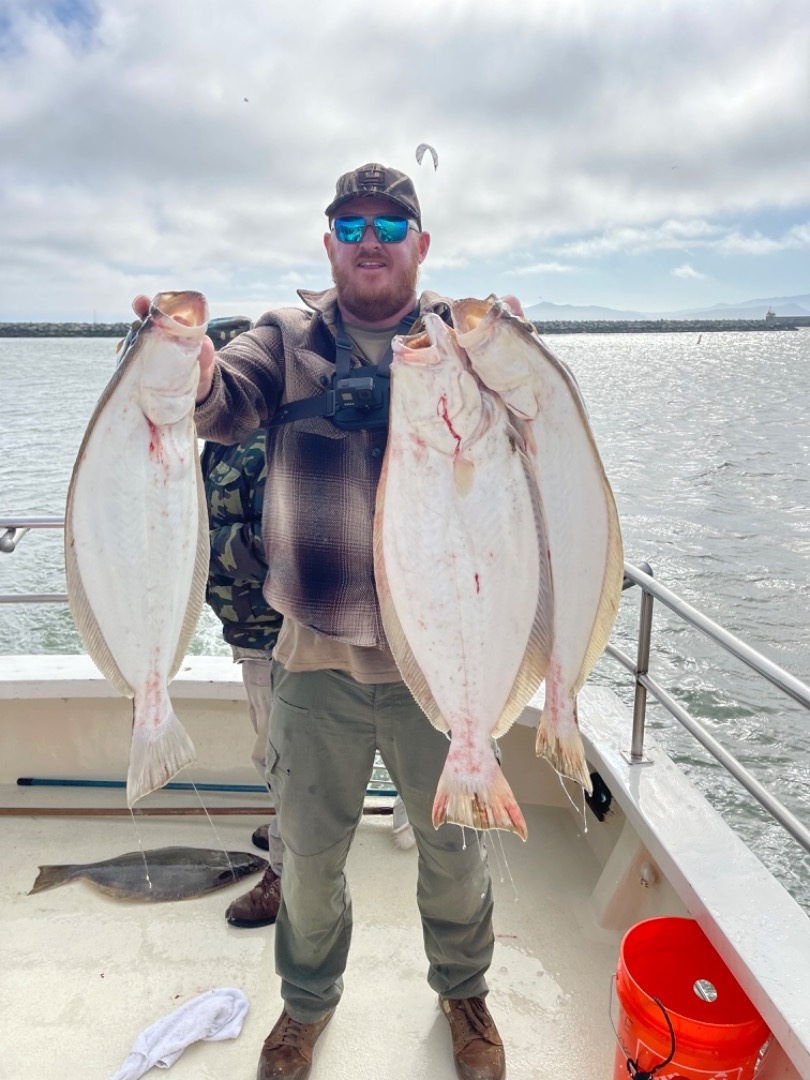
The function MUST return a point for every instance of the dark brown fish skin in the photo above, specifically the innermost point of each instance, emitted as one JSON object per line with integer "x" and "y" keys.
{"x": 175, "y": 873}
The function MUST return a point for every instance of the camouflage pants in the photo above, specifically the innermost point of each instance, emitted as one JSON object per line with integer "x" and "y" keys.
{"x": 324, "y": 729}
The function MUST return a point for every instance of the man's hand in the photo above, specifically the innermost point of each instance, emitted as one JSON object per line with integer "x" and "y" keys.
{"x": 141, "y": 304}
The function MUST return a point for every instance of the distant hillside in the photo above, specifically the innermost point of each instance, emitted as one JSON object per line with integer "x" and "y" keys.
{"x": 786, "y": 306}
{"x": 548, "y": 312}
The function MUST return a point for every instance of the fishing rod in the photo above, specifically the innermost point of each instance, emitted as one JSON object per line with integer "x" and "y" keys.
{"x": 47, "y": 781}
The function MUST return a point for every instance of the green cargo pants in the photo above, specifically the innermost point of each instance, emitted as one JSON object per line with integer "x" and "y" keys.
{"x": 324, "y": 728}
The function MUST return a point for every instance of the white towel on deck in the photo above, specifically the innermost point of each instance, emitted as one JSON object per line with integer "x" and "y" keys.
{"x": 214, "y": 1015}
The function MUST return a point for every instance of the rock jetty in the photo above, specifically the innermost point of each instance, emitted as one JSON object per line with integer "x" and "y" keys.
{"x": 666, "y": 326}
{"x": 601, "y": 326}
{"x": 46, "y": 329}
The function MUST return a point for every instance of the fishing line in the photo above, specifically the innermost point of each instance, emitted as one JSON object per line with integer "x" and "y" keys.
{"x": 485, "y": 849}
{"x": 580, "y": 813}
{"x": 505, "y": 865}
{"x": 219, "y": 840}
{"x": 498, "y": 852}
{"x": 142, "y": 849}
{"x": 508, "y": 868}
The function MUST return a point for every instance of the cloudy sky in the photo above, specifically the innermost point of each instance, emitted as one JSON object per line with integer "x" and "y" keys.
{"x": 643, "y": 154}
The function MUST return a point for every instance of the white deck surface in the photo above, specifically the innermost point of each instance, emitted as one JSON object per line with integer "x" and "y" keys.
{"x": 82, "y": 974}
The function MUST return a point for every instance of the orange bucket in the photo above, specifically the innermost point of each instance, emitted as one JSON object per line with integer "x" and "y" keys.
{"x": 716, "y": 1030}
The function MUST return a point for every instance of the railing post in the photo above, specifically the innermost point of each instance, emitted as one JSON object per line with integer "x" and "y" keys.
{"x": 642, "y": 668}
{"x": 10, "y": 538}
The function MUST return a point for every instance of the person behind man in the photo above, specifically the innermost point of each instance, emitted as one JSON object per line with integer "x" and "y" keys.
{"x": 234, "y": 478}
{"x": 337, "y": 694}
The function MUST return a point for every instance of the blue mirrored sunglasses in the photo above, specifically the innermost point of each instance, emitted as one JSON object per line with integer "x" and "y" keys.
{"x": 387, "y": 229}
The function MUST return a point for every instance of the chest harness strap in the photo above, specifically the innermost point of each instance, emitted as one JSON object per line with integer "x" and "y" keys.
{"x": 358, "y": 398}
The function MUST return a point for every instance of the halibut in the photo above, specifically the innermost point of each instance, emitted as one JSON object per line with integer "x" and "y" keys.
{"x": 136, "y": 531}
{"x": 579, "y": 509}
{"x": 459, "y": 558}
{"x": 156, "y": 875}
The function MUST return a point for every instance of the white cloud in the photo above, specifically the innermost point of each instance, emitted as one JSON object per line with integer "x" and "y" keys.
{"x": 635, "y": 241}
{"x": 682, "y": 236}
{"x": 736, "y": 243}
{"x": 566, "y": 134}
{"x": 539, "y": 268}
{"x": 688, "y": 272}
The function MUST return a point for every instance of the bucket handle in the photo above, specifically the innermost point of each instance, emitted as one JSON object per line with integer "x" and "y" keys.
{"x": 632, "y": 1066}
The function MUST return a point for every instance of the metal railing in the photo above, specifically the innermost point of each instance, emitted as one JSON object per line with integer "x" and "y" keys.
{"x": 644, "y": 683}
{"x": 12, "y": 529}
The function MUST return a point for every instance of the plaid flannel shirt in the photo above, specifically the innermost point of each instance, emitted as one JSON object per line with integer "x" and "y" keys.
{"x": 321, "y": 482}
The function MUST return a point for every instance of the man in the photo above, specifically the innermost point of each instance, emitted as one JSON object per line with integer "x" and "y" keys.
{"x": 234, "y": 479}
{"x": 337, "y": 694}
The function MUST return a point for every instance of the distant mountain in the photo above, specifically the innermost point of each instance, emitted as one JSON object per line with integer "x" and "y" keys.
{"x": 786, "y": 306}
{"x": 753, "y": 309}
{"x": 548, "y": 312}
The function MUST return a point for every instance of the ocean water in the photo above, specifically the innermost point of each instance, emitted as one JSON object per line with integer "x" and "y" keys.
{"x": 706, "y": 441}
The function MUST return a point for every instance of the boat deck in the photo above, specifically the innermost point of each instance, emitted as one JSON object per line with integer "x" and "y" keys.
{"x": 84, "y": 974}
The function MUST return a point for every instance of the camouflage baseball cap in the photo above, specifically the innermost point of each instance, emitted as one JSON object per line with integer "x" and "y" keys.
{"x": 374, "y": 179}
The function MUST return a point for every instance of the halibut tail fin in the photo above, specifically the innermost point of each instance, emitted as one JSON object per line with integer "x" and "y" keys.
{"x": 559, "y": 741}
{"x": 49, "y": 877}
{"x": 489, "y": 804}
{"x": 156, "y": 755}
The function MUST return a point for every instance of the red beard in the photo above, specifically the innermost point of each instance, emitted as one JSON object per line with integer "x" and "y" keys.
{"x": 375, "y": 303}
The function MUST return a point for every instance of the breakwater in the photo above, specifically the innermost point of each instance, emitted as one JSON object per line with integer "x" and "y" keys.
{"x": 602, "y": 326}
{"x": 668, "y": 326}
{"x": 75, "y": 329}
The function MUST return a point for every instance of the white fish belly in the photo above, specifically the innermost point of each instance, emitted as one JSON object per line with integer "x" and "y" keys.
{"x": 577, "y": 516}
{"x": 578, "y": 507}
{"x": 462, "y": 572}
{"x": 136, "y": 535}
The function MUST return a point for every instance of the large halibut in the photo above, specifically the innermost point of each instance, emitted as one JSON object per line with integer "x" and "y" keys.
{"x": 579, "y": 510}
{"x": 136, "y": 531}
{"x": 459, "y": 557}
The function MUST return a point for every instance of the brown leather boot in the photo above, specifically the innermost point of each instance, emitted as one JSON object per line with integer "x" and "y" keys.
{"x": 287, "y": 1050}
{"x": 259, "y": 837}
{"x": 477, "y": 1046}
{"x": 259, "y": 907}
